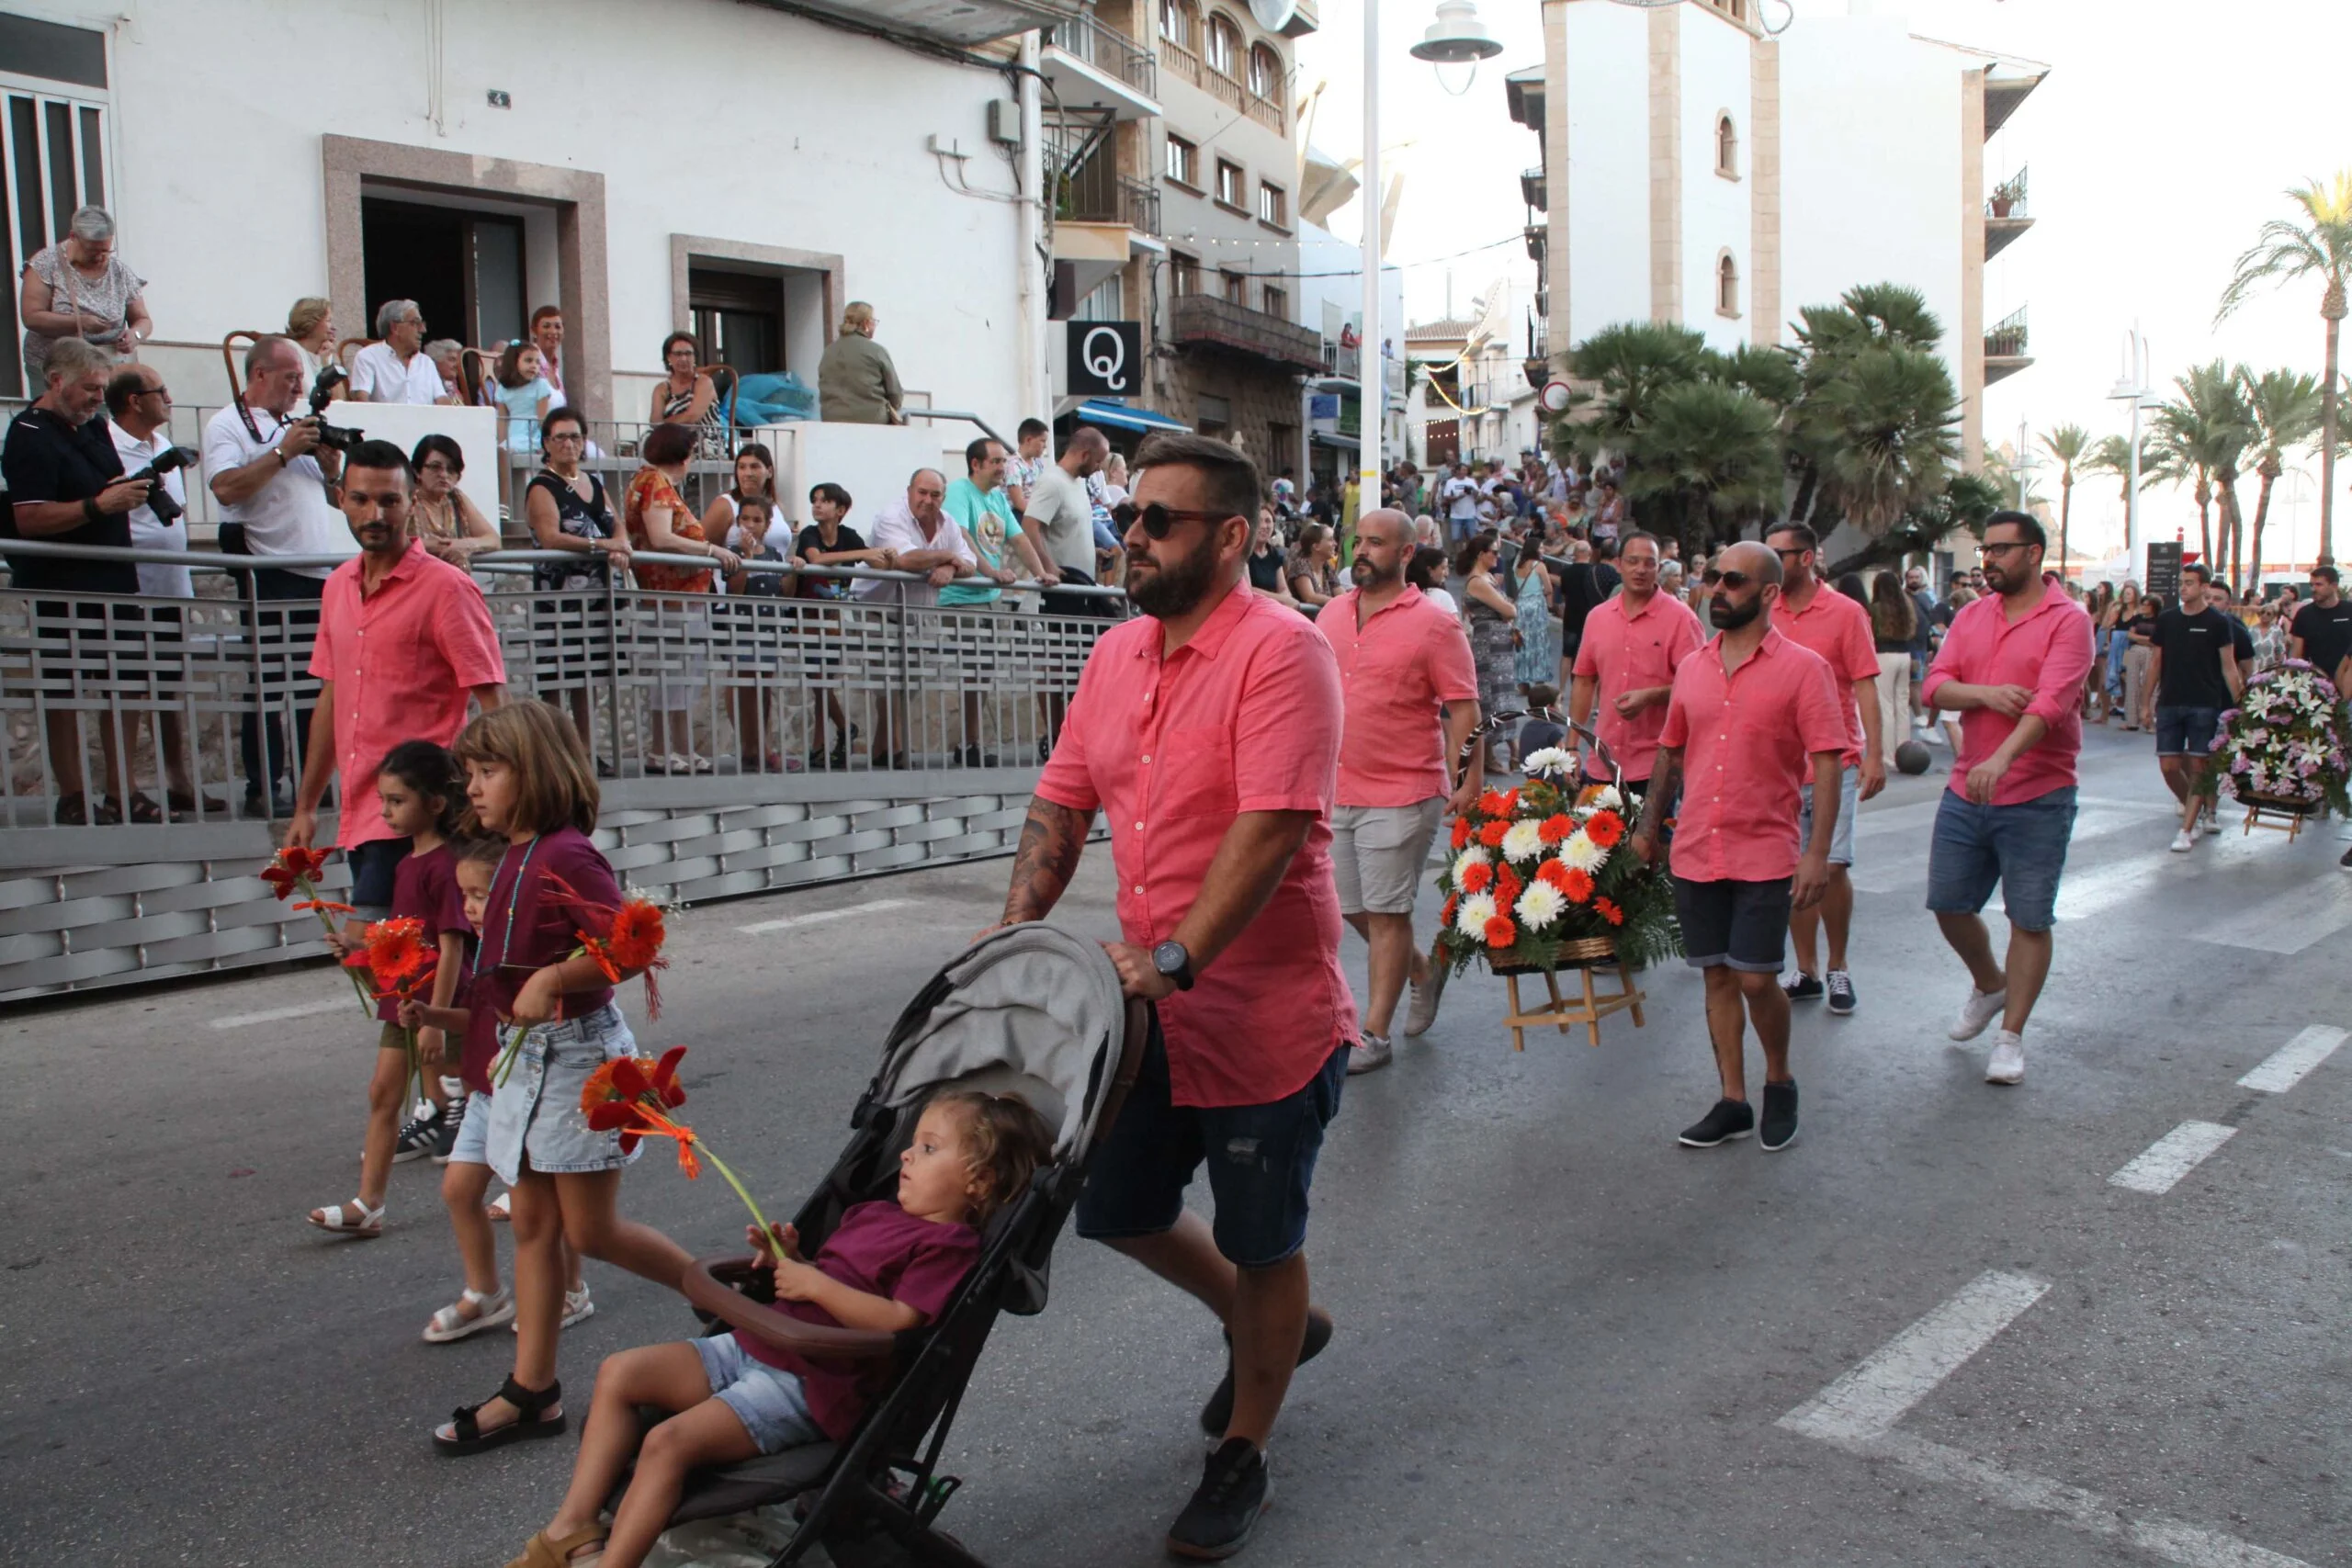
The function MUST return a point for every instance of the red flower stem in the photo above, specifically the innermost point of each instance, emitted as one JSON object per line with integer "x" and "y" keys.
{"x": 326, "y": 923}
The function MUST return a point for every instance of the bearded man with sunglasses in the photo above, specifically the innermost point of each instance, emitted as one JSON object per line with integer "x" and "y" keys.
{"x": 1208, "y": 728}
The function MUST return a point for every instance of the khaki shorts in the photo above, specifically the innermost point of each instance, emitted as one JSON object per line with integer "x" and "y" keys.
{"x": 1380, "y": 853}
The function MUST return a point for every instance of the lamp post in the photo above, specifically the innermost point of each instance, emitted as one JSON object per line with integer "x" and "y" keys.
{"x": 2133, "y": 385}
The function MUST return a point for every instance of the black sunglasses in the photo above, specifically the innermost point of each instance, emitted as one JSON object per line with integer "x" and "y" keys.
{"x": 1158, "y": 521}
{"x": 1711, "y": 576}
{"x": 1735, "y": 580}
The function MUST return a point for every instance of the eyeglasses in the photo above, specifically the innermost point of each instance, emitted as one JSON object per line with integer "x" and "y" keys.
{"x": 1790, "y": 555}
{"x": 1711, "y": 576}
{"x": 1735, "y": 580}
{"x": 1158, "y": 521}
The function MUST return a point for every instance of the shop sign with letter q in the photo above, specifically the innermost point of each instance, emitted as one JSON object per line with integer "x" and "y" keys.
{"x": 1105, "y": 359}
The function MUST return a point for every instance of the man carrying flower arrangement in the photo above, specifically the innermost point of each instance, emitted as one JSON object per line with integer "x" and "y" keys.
{"x": 2012, "y": 666}
{"x": 1754, "y": 717}
{"x": 1402, "y": 660}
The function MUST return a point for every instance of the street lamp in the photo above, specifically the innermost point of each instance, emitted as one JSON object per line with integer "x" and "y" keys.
{"x": 2132, "y": 386}
{"x": 1455, "y": 37}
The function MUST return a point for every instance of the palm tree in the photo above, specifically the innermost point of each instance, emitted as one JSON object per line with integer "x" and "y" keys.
{"x": 1890, "y": 421}
{"x": 2201, "y": 435}
{"x": 1714, "y": 452}
{"x": 2285, "y": 407}
{"x": 2319, "y": 246}
{"x": 2067, "y": 443}
{"x": 1631, "y": 364}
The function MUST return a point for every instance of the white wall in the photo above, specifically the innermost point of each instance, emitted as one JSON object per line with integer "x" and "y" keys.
{"x": 1716, "y": 77}
{"x": 717, "y": 119}
{"x": 1608, "y": 270}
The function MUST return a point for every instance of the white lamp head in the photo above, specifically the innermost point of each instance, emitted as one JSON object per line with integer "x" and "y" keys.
{"x": 1457, "y": 36}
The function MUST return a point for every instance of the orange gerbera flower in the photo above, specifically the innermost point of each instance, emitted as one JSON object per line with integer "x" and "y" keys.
{"x": 1492, "y": 802}
{"x": 1510, "y": 800}
{"x": 622, "y": 939}
{"x": 1557, "y": 826}
{"x": 1500, "y": 932}
{"x": 1507, "y": 887}
{"x": 1605, "y": 828}
{"x": 1461, "y": 832}
{"x": 1446, "y": 916}
{"x": 1493, "y": 833}
{"x": 1552, "y": 871}
{"x": 1576, "y": 886}
{"x": 1477, "y": 878}
{"x": 1609, "y": 911}
{"x": 394, "y": 952}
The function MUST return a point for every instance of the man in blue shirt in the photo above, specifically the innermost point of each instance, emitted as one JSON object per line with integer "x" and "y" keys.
{"x": 979, "y": 503}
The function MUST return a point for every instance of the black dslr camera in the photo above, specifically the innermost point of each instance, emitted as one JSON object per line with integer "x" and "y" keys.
{"x": 334, "y": 438}
{"x": 159, "y": 500}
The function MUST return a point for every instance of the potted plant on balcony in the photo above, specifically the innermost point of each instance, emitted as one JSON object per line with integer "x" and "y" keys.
{"x": 2006, "y": 196}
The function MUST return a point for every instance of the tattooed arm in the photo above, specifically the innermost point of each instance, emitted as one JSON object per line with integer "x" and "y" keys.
{"x": 1665, "y": 783}
{"x": 1051, "y": 841}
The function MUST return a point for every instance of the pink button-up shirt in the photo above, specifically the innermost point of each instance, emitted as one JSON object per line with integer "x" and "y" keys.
{"x": 402, "y": 660}
{"x": 1396, "y": 669}
{"x": 2048, "y": 651}
{"x": 1628, "y": 652}
{"x": 1748, "y": 740}
{"x": 1839, "y": 630}
{"x": 1243, "y": 718}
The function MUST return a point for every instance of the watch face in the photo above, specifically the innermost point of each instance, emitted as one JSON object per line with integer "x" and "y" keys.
{"x": 1169, "y": 957}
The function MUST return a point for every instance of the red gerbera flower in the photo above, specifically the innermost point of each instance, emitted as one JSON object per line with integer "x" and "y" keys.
{"x": 1493, "y": 804}
{"x": 1446, "y": 916}
{"x": 1609, "y": 911}
{"x": 1553, "y": 871}
{"x": 1507, "y": 887}
{"x": 1492, "y": 834}
{"x": 1500, "y": 932}
{"x": 622, "y": 939}
{"x": 1461, "y": 832}
{"x": 292, "y": 866}
{"x": 394, "y": 952}
{"x": 1477, "y": 878}
{"x": 1576, "y": 886}
{"x": 1605, "y": 828}
{"x": 1557, "y": 826}
{"x": 1510, "y": 800}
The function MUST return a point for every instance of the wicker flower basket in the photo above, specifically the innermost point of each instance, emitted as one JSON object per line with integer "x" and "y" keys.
{"x": 1579, "y": 954}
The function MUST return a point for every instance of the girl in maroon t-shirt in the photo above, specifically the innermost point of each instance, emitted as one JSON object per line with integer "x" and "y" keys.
{"x": 530, "y": 782}
{"x": 886, "y": 1266}
{"x": 418, "y": 788}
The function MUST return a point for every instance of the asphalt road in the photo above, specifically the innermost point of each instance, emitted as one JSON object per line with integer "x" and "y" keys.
{"x": 1563, "y": 1338}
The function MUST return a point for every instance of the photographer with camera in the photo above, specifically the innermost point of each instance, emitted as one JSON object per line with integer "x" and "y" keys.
{"x": 270, "y": 471}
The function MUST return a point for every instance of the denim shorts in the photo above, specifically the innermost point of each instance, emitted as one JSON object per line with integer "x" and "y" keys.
{"x": 1735, "y": 925}
{"x": 472, "y": 1145}
{"x": 2023, "y": 847}
{"x": 1841, "y": 833}
{"x": 768, "y": 1400}
{"x": 536, "y": 1114}
{"x": 2185, "y": 732}
{"x": 1262, "y": 1164}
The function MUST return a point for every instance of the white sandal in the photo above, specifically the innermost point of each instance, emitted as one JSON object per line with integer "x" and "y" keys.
{"x": 491, "y": 1309}
{"x": 370, "y": 1221}
{"x": 503, "y": 1206}
{"x": 577, "y": 1308}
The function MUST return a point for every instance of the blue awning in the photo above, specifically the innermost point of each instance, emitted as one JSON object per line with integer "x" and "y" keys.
{"x": 1095, "y": 411}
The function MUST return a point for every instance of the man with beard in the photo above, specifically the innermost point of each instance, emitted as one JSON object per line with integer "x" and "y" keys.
{"x": 1208, "y": 728}
{"x": 1625, "y": 661}
{"x": 1754, "y": 713}
{"x": 2013, "y": 667}
{"x": 1403, "y": 663}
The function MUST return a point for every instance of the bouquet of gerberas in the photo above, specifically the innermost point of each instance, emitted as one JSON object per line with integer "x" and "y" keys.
{"x": 2283, "y": 745}
{"x": 637, "y": 1096}
{"x": 1539, "y": 870}
{"x": 621, "y": 939}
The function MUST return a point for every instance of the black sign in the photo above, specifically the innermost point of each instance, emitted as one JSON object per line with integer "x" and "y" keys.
{"x": 2164, "y": 571}
{"x": 1105, "y": 359}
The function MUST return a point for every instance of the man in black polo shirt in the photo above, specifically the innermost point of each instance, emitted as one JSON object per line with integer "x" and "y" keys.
{"x": 66, "y": 486}
{"x": 2195, "y": 675}
{"x": 2322, "y": 630}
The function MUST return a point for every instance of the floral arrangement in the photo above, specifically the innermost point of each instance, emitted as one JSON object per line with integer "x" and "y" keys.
{"x": 295, "y": 870}
{"x": 635, "y": 1096}
{"x": 2283, "y": 744}
{"x": 620, "y": 939}
{"x": 1545, "y": 865}
{"x": 395, "y": 955}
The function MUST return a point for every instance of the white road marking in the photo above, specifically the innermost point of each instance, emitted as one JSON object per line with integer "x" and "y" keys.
{"x": 2163, "y": 1163}
{"x": 1868, "y": 1399}
{"x": 2290, "y": 921}
{"x": 2288, "y": 1063}
{"x": 817, "y": 917}
{"x": 278, "y": 1015}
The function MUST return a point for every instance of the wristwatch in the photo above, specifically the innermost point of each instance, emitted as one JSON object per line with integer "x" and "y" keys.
{"x": 1171, "y": 959}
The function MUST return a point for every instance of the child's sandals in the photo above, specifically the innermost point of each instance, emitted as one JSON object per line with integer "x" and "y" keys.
{"x": 351, "y": 1219}
{"x": 577, "y": 1308}
{"x": 464, "y": 1434}
{"x": 503, "y": 1206}
{"x": 454, "y": 1322}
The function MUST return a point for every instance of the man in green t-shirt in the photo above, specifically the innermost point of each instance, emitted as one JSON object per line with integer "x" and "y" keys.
{"x": 979, "y": 503}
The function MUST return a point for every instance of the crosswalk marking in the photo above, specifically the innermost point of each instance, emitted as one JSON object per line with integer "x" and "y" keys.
{"x": 2286, "y": 1067}
{"x": 2159, "y": 1167}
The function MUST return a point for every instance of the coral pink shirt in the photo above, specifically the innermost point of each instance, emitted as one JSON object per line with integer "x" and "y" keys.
{"x": 1625, "y": 653}
{"x": 1748, "y": 740}
{"x": 1244, "y": 717}
{"x": 1395, "y": 670}
{"x": 402, "y": 660}
{"x": 2048, "y": 651}
{"x": 1839, "y": 630}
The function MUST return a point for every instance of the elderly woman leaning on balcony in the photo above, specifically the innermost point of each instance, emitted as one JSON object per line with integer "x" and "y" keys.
{"x": 80, "y": 289}
{"x": 856, "y": 382}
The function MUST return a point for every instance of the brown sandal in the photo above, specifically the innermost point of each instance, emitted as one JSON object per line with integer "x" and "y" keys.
{"x": 541, "y": 1553}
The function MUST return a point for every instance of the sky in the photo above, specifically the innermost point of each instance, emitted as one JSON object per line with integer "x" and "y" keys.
{"x": 2167, "y": 132}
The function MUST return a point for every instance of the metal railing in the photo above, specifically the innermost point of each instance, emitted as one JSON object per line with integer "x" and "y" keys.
{"x": 1109, "y": 49}
{"x": 2007, "y": 199}
{"x": 2006, "y": 338}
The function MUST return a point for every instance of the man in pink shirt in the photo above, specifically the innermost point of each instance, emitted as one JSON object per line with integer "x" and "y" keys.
{"x": 404, "y": 643}
{"x": 1813, "y": 614}
{"x": 1208, "y": 729}
{"x": 2012, "y": 666}
{"x": 1753, "y": 718}
{"x": 1402, "y": 660}
{"x": 1625, "y": 666}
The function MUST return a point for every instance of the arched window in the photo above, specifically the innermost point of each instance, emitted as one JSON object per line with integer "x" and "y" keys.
{"x": 1223, "y": 52}
{"x": 1176, "y": 22}
{"x": 1726, "y": 148}
{"x": 1726, "y": 285}
{"x": 1266, "y": 74}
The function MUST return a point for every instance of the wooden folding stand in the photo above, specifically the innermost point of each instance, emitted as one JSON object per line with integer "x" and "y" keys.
{"x": 1587, "y": 1009}
{"x": 2275, "y": 815}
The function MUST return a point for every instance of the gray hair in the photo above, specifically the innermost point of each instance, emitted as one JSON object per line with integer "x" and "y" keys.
{"x": 92, "y": 223}
{"x": 263, "y": 351}
{"x": 441, "y": 346}
{"x": 391, "y": 313}
{"x": 69, "y": 359}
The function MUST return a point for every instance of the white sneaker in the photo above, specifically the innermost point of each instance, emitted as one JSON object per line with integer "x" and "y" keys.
{"x": 1369, "y": 1055}
{"x": 2212, "y": 821}
{"x": 1981, "y": 1009}
{"x": 2008, "y": 1065}
{"x": 2183, "y": 841}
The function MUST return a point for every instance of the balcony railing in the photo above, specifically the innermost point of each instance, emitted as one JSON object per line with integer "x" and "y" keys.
{"x": 1531, "y": 188}
{"x": 1109, "y": 50}
{"x": 1096, "y": 193}
{"x": 1184, "y": 64}
{"x": 2005, "y": 339}
{"x": 1537, "y": 235}
{"x": 1205, "y": 321}
{"x": 2007, "y": 199}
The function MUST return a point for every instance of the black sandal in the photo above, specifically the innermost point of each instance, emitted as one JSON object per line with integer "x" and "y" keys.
{"x": 467, "y": 1437}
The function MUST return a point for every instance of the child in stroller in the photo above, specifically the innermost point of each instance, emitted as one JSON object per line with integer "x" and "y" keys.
{"x": 887, "y": 1267}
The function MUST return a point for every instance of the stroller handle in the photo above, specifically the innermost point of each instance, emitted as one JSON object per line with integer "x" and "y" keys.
{"x": 705, "y": 1285}
{"x": 1583, "y": 732}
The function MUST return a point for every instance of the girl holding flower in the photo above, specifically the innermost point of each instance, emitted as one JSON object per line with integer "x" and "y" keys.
{"x": 532, "y": 783}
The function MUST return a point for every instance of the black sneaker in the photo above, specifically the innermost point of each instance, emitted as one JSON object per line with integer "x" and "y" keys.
{"x": 443, "y": 1137}
{"x": 1730, "y": 1119}
{"x": 1779, "y": 1116}
{"x": 1841, "y": 992}
{"x": 1233, "y": 1492}
{"x": 1217, "y": 1414}
{"x": 416, "y": 1139}
{"x": 1802, "y": 988}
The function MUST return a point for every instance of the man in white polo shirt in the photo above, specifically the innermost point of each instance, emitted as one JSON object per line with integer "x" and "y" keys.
{"x": 396, "y": 371}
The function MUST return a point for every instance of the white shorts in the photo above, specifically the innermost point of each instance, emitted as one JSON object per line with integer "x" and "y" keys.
{"x": 1380, "y": 853}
